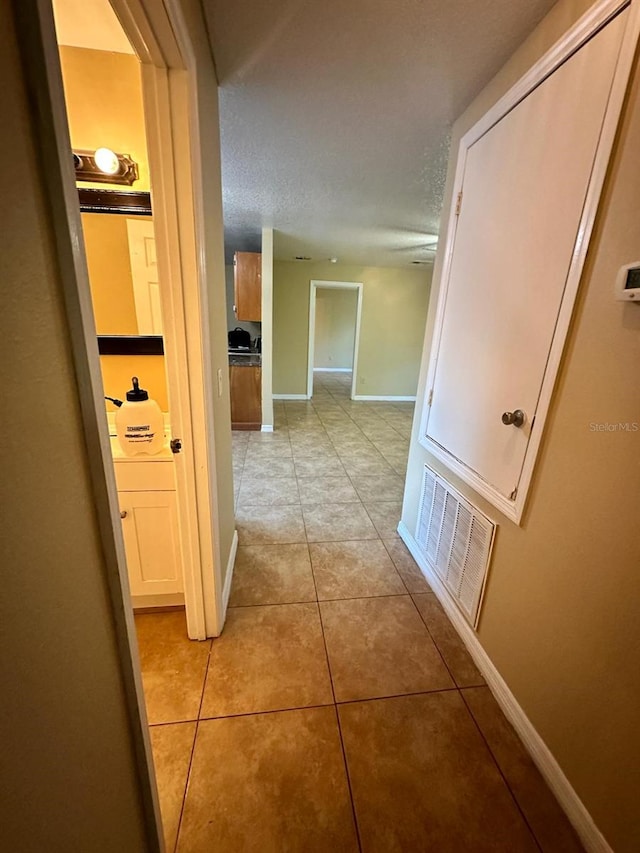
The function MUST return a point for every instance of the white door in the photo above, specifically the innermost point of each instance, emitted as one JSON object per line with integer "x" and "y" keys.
{"x": 150, "y": 531}
{"x": 525, "y": 184}
{"x": 144, "y": 273}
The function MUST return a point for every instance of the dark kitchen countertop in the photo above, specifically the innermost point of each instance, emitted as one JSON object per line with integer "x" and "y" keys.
{"x": 252, "y": 359}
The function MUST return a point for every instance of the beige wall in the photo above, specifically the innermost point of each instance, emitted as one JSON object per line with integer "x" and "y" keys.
{"x": 335, "y": 328}
{"x": 394, "y": 310}
{"x": 70, "y": 780}
{"x": 117, "y": 371}
{"x": 104, "y": 102}
{"x": 107, "y": 246}
{"x": 560, "y": 614}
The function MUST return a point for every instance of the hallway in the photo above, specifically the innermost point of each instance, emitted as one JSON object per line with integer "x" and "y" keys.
{"x": 339, "y": 710}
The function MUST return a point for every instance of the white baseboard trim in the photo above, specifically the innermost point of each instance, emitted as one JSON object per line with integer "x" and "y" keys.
{"x": 167, "y": 599}
{"x": 387, "y": 399}
{"x": 291, "y": 397}
{"x": 267, "y": 428}
{"x": 332, "y": 369}
{"x": 569, "y": 800}
{"x": 226, "y": 592}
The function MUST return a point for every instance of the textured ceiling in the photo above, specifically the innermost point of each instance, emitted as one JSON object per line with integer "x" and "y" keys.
{"x": 335, "y": 116}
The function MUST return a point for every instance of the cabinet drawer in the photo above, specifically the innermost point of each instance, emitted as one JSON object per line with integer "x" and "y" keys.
{"x": 144, "y": 476}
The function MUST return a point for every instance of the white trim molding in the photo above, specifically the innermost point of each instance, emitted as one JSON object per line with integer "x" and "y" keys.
{"x": 540, "y": 753}
{"x": 332, "y": 285}
{"x": 266, "y": 327}
{"x": 385, "y": 399}
{"x": 160, "y": 37}
{"x": 594, "y": 19}
{"x": 266, "y": 428}
{"x": 171, "y": 599}
{"x": 332, "y": 369}
{"x": 226, "y": 592}
{"x": 291, "y": 397}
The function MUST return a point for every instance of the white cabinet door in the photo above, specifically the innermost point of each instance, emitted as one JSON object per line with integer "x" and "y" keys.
{"x": 523, "y": 193}
{"x": 150, "y": 530}
{"x": 144, "y": 273}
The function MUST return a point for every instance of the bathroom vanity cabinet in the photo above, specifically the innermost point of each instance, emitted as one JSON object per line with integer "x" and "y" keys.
{"x": 148, "y": 509}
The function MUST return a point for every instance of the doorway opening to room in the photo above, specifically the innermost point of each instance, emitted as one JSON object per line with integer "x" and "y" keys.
{"x": 116, "y": 97}
{"x": 103, "y": 94}
{"x": 335, "y": 311}
{"x": 134, "y": 280}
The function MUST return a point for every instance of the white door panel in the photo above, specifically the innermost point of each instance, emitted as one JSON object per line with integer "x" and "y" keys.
{"x": 525, "y": 183}
{"x": 144, "y": 273}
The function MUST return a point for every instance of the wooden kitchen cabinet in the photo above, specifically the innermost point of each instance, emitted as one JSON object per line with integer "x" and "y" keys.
{"x": 247, "y": 285}
{"x": 245, "y": 383}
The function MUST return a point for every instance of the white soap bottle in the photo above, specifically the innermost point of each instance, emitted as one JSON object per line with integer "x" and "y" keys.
{"x": 139, "y": 423}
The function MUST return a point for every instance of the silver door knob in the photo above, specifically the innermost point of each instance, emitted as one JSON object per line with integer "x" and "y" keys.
{"x": 515, "y": 418}
{"x": 123, "y": 513}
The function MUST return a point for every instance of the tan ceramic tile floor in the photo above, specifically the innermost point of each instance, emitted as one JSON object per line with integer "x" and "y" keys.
{"x": 339, "y": 710}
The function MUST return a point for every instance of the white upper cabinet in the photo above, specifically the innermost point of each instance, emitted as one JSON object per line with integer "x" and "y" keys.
{"x": 528, "y": 178}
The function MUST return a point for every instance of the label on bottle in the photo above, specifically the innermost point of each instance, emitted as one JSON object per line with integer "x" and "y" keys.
{"x": 139, "y": 434}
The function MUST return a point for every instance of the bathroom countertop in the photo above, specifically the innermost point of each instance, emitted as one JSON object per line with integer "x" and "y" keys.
{"x": 253, "y": 359}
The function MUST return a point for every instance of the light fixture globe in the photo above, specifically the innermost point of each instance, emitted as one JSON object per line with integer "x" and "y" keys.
{"x": 104, "y": 166}
{"x": 107, "y": 161}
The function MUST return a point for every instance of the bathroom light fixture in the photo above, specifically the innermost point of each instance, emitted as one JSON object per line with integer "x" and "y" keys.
{"x": 104, "y": 166}
{"x": 107, "y": 161}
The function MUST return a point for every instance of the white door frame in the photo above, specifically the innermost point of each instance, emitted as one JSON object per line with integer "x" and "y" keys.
{"x": 333, "y": 285}
{"x": 572, "y": 40}
{"x": 159, "y": 37}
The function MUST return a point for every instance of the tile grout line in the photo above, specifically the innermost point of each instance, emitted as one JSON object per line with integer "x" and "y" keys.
{"x": 337, "y": 715}
{"x": 335, "y": 706}
{"x": 460, "y": 690}
{"x": 433, "y": 640}
{"x": 193, "y": 747}
{"x": 395, "y": 567}
{"x": 326, "y": 434}
{"x": 332, "y": 704}
{"x": 353, "y": 485}
{"x": 244, "y": 459}
{"x": 499, "y": 768}
{"x": 242, "y": 451}
{"x": 325, "y": 600}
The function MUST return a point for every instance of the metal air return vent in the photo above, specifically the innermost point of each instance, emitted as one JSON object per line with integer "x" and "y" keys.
{"x": 456, "y": 540}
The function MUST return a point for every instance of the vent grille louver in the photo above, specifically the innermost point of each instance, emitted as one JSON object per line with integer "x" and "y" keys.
{"x": 456, "y": 540}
